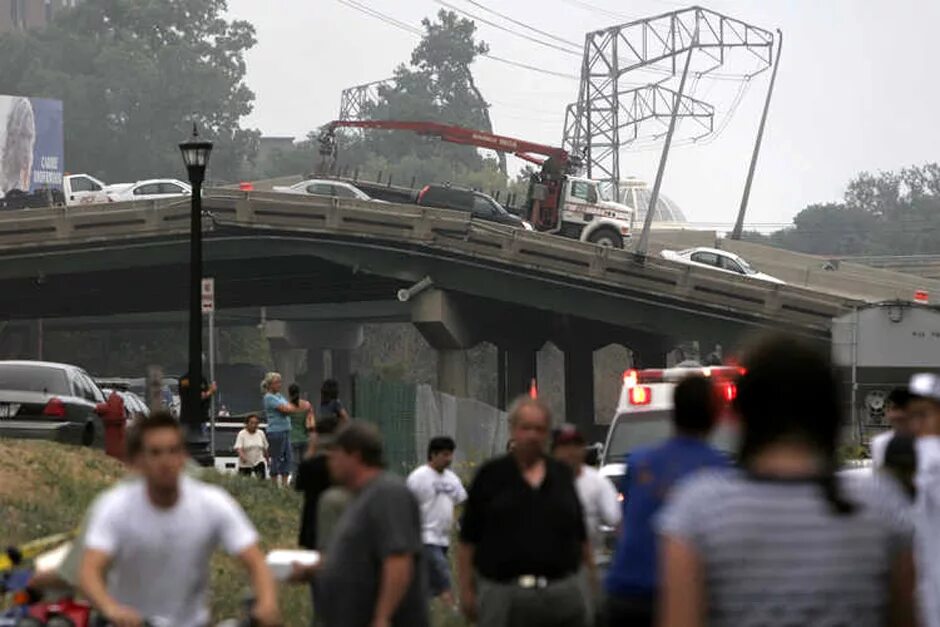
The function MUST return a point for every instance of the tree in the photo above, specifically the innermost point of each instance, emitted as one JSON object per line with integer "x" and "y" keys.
{"x": 133, "y": 76}
{"x": 889, "y": 213}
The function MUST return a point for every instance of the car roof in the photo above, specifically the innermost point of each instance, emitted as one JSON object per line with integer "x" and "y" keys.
{"x": 151, "y": 181}
{"x": 40, "y": 364}
{"x": 324, "y": 181}
{"x": 717, "y": 251}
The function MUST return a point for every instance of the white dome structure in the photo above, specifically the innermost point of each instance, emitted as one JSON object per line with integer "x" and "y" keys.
{"x": 636, "y": 194}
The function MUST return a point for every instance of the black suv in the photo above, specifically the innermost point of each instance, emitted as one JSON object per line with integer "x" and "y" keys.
{"x": 462, "y": 199}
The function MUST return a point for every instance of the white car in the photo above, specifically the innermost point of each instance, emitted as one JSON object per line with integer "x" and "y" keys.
{"x": 717, "y": 259}
{"x": 323, "y": 187}
{"x": 152, "y": 189}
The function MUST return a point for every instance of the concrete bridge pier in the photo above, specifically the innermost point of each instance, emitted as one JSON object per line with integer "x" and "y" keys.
{"x": 579, "y": 387}
{"x": 450, "y": 331}
{"x": 651, "y": 351}
{"x": 517, "y": 366}
{"x": 309, "y": 352}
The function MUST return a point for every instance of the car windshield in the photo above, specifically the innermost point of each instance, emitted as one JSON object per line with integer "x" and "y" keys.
{"x": 27, "y": 378}
{"x": 748, "y": 268}
{"x": 631, "y": 432}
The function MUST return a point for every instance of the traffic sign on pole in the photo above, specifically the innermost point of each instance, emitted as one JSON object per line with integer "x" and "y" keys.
{"x": 208, "y": 295}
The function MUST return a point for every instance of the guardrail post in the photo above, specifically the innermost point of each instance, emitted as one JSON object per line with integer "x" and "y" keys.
{"x": 153, "y": 218}
{"x": 63, "y": 223}
{"x": 244, "y": 211}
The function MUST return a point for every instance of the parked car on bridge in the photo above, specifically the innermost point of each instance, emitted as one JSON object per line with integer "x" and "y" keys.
{"x": 325, "y": 187}
{"x": 152, "y": 189}
{"x": 49, "y": 401}
{"x": 478, "y": 204}
{"x": 718, "y": 259}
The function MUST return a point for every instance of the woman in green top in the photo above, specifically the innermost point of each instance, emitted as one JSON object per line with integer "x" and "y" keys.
{"x": 302, "y": 422}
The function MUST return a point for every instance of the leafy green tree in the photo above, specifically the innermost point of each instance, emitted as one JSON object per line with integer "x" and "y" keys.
{"x": 437, "y": 85}
{"x": 133, "y": 76}
{"x": 889, "y": 213}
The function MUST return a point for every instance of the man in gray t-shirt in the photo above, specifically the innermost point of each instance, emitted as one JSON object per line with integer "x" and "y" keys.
{"x": 372, "y": 575}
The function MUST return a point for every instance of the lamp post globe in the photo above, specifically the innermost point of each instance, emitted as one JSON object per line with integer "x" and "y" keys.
{"x": 195, "y": 153}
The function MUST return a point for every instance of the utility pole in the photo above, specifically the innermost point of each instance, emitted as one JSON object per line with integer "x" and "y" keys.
{"x": 739, "y": 223}
{"x": 643, "y": 245}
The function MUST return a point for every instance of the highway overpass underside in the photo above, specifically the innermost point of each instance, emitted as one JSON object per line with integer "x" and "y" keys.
{"x": 469, "y": 303}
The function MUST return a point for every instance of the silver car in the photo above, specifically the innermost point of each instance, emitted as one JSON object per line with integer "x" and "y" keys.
{"x": 49, "y": 401}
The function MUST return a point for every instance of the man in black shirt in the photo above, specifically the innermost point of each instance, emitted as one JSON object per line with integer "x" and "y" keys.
{"x": 313, "y": 479}
{"x": 523, "y": 532}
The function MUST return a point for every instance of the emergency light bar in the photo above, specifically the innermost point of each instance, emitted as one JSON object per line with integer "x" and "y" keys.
{"x": 634, "y": 377}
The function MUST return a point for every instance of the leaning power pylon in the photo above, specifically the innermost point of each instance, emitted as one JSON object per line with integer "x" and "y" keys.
{"x": 355, "y": 101}
{"x": 611, "y": 109}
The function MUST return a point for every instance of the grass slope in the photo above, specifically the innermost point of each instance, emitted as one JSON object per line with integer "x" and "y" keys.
{"x": 45, "y": 489}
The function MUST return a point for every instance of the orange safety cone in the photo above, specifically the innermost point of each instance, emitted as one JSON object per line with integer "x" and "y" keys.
{"x": 533, "y": 390}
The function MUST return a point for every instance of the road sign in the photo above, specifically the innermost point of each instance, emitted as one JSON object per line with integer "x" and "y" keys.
{"x": 208, "y": 295}
{"x": 922, "y": 297}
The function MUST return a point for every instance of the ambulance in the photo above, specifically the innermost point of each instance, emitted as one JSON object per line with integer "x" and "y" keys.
{"x": 644, "y": 412}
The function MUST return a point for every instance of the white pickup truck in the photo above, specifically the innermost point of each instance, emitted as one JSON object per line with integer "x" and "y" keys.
{"x": 83, "y": 189}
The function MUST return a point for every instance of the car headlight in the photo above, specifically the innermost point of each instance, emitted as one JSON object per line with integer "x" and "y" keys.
{"x": 527, "y": 225}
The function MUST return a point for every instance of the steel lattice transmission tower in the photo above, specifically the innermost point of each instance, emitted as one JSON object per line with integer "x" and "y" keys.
{"x": 609, "y": 110}
{"x": 354, "y": 101}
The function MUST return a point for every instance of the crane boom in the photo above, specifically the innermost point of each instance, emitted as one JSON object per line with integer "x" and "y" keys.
{"x": 456, "y": 135}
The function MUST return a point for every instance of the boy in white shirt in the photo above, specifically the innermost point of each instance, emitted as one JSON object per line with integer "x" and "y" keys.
{"x": 148, "y": 541}
{"x": 438, "y": 491}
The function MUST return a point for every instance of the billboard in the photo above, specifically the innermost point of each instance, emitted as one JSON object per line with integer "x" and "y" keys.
{"x": 31, "y": 144}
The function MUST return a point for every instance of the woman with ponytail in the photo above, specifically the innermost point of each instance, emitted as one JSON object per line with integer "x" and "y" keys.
{"x": 783, "y": 540}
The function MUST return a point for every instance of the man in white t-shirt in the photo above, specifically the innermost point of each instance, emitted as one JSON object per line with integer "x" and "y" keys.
{"x": 897, "y": 416}
{"x": 438, "y": 490}
{"x": 149, "y": 540}
{"x": 597, "y": 494}
{"x": 924, "y": 408}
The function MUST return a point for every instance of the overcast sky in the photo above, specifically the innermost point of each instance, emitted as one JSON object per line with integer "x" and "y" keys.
{"x": 856, "y": 90}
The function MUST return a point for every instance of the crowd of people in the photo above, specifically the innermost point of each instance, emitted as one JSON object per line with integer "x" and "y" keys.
{"x": 775, "y": 536}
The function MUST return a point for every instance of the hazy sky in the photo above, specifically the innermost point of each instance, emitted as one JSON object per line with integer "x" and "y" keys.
{"x": 857, "y": 88}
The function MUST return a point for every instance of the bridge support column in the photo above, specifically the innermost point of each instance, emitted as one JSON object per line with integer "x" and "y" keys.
{"x": 650, "y": 351}
{"x": 579, "y": 388}
{"x": 452, "y": 372}
{"x": 516, "y": 368}
{"x": 289, "y": 362}
{"x": 337, "y": 364}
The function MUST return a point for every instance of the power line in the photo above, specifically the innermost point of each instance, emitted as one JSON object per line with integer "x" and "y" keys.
{"x": 536, "y": 40}
{"x": 587, "y": 6}
{"x": 523, "y": 24}
{"x": 352, "y": 4}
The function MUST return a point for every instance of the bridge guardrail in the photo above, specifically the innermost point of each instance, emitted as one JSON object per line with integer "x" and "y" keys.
{"x": 449, "y": 233}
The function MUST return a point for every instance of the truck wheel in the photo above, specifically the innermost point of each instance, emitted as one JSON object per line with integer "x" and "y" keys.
{"x": 607, "y": 238}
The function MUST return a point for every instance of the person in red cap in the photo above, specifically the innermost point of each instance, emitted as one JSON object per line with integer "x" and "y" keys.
{"x": 597, "y": 495}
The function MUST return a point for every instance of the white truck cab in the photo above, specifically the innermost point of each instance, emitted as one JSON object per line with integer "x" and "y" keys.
{"x": 644, "y": 413}
{"x": 83, "y": 189}
{"x": 587, "y": 215}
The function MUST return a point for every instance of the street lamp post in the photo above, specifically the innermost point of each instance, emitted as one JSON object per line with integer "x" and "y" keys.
{"x": 196, "y": 157}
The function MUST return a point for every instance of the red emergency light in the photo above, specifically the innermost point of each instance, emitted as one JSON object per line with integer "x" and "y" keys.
{"x": 641, "y": 395}
{"x": 631, "y": 377}
{"x": 729, "y": 392}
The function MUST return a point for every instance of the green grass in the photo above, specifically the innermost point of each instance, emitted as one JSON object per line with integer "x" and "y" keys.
{"x": 45, "y": 489}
